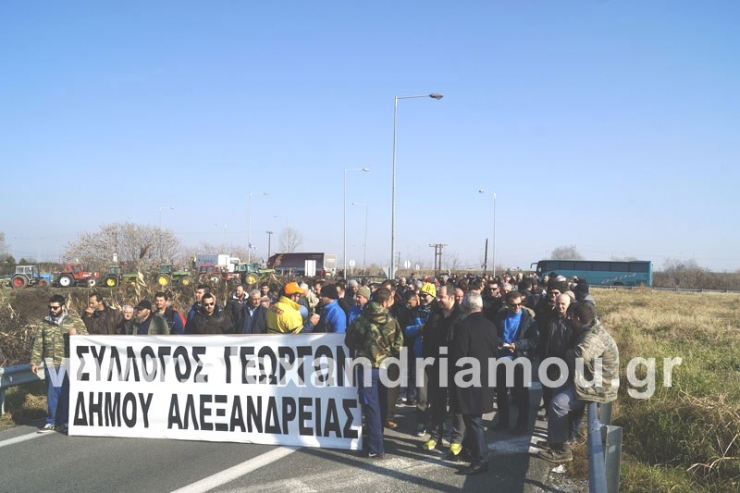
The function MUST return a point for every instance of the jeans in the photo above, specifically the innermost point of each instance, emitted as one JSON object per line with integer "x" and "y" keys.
{"x": 558, "y": 420}
{"x": 373, "y": 401}
{"x": 57, "y": 399}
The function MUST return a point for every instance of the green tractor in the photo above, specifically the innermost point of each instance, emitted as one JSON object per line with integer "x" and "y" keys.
{"x": 114, "y": 277}
{"x": 252, "y": 273}
{"x": 168, "y": 275}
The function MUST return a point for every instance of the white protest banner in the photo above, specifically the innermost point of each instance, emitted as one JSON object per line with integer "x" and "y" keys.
{"x": 291, "y": 390}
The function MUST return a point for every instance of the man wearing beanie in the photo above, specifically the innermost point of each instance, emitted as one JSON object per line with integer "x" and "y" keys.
{"x": 333, "y": 318}
{"x": 362, "y": 297}
{"x": 581, "y": 292}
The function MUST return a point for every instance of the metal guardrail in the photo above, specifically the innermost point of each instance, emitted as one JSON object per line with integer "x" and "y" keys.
{"x": 10, "y": 376}
{"x": 604, "y": 450}
{"x": 665, "y": 288}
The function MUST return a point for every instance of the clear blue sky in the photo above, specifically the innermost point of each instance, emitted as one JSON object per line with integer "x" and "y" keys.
{"x": 610, "y": 125}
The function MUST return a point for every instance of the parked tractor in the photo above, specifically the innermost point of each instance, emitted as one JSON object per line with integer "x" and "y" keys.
{"x": 167, "y": 274}
{"x": 215, "y": 274}
{"x": 115, "y": 277}
{"x": 252, "y": 273}
{"x": 74, "y": 275}
{"x": 27, "y": 275}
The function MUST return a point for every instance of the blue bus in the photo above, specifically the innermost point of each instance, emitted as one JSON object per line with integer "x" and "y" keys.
{"x": 601, "y": 273}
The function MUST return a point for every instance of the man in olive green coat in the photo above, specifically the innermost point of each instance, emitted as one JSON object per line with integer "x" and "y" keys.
{"x": 52, "y": 347}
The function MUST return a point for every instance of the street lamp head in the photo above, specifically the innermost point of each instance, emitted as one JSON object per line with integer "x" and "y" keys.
{"x": 482, "y": 191}
{"x": 436, "y": 95}
{"x": 365, "y": 169}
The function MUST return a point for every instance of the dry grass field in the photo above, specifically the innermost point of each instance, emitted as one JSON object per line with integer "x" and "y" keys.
{"x": 684, "y": 438}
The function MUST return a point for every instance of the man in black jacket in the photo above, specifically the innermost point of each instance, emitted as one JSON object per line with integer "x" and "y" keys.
{"x": 520, "y": 335}
{"x": 235, "y": 306}
{"x": 474, "y": 340}
{"x": 210, "y": 319}
{"x": 437, "y": 334}
{"x": 255, "y": 315}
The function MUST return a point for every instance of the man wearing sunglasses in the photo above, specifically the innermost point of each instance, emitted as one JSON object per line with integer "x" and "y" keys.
{"x": 52, "y": 346}
{"x": 519, "y": 333}
{"x": 210, "y": 319}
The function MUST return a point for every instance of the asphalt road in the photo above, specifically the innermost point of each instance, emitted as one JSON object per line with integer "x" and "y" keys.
{"x": 56, "y": 462}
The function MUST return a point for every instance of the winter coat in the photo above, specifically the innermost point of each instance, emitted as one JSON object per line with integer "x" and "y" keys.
{"x": 283, "y": 317}
{"x": 595, "y": 342}
{"x": 102, "y": 322}
{"x": 52, "y": 338}
{"x": 527, "y": 335}
{"x": 254, "y": 322}
{"x": 474, "y": 337}
{"x": 218, "y": 323}
{"x": 438, "y": 332}
{"x": 374, "y": 335}
{"x": 333, "y": 318}
{"x": 154, "y": 326}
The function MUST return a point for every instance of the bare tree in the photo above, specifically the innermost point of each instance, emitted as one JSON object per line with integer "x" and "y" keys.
{"x": 133, "y": 245}
{"x": 453, "y": 260}
{"x": 566, "y": 253}
{"x": 627, "y": 258}
{"x": 3, "y": 247}
{"x": 290, "y": 240}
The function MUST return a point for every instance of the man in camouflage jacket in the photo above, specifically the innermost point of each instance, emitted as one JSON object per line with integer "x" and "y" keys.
{"x": 594, "y": 346}
{"x": 52, "y": 346}
{"x": 374, "y": 335}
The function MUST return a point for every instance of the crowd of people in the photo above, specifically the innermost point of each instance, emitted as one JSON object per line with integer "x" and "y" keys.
{"x": 448, "y": 317}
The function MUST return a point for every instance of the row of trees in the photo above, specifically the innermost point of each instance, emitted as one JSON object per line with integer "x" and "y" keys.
{"x": 139, "y": 247}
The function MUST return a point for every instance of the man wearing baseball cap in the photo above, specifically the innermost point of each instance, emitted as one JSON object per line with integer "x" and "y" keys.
{"x": 147, "y": 322}
{"x": 284, "y": 318}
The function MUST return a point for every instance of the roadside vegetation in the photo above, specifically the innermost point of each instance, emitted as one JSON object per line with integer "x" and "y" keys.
{"x": 685, "y": 438}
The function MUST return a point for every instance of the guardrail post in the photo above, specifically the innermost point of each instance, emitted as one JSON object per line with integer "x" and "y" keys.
{"x": 596, "y": 466}
{"x": 605, "y": 413}
{"x": 2, "y": 402}
{"x": 612, "y": 439}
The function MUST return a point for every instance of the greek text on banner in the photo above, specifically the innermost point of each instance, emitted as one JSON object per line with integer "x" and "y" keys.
{"x": 290, "y": 390}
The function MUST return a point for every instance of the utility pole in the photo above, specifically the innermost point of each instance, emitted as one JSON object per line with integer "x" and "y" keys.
{"x": 438, "y": 247}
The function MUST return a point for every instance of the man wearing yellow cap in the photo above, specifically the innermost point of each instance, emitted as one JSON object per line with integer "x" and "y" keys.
{"x": 284, "y": 318}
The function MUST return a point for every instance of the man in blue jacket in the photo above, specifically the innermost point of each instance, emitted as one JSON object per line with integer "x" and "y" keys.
{"x": 333, "y": 318}
{"x": 520, "y": 335}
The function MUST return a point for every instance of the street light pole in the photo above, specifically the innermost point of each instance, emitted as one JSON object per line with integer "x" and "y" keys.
{"x": 269, "y": 238}
{"x": 364, "y": 246}
{"x": 344, "y": 205}
{"x": 493, "y": 257}
{"x": 249, "y": 225}
{"x": 436, "y": 96}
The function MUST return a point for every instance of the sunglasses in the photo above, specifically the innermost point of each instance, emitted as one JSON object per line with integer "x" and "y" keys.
{"x": 53, "y": 307}
{"x": 209, "y": 304}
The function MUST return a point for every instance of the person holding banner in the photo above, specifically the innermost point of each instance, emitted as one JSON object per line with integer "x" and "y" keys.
{"x": 52, "y": 346}
{"x": 375, "y": 335}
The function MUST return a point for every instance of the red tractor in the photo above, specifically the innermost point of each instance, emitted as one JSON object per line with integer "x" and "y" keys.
{"x": 74, "y": 275}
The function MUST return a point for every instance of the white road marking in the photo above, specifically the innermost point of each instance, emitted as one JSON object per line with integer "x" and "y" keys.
{"x": 232, "y": 473}
{"x": 22, "y": 438}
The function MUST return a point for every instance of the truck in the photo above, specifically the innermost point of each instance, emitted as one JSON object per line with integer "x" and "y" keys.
{"x": 217, "y": 259}
{"x": 302, "y": 264}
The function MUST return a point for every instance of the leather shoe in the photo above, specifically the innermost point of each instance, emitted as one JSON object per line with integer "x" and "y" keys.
{"x": 473, "y": 469}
